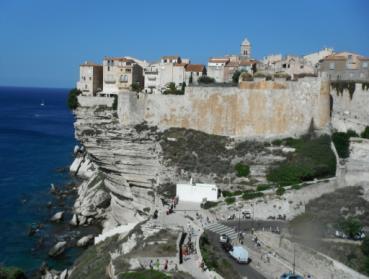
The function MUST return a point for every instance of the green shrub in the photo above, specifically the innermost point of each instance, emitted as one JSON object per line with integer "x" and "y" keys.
{"x": 236, "y": 76}
{"x": 365, "y": 133}
{"x": 144, "y": 274}
{"x": 280, "y": 191}
{"x": 73, "y": 98}
{"x": 313, "y": 158}
{"x": 260, "y": 75}
{"x": 172, "y": 89}
{"x": 136, "y": 87}
{"x": 209, "y": 204}
{"x": 296, "y": 187}
{"x": 251, "y": 195}
{"x": 351, "y": 226}
{"x": 341, "y": 85}
{"x": 262, "y": 187}
{"x": 115, "y": 103}
{"x": 282, "y": 75}
{"x": 365, "y": 246}
{"x": 245, "y": 76}
{"x": 11, "y": 273}
{"x": 231, "y": 194}
{"x": 242, "y": 170}
{"x": 341, "y": 141}
{"x": 230, "y": 200}
{"x": 206, "y": 80}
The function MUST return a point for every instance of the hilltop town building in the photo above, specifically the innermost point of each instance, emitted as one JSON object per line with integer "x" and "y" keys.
{"x": 194, "y": 72}
{"x": 120, "y": 73}
{"x": 345, "y": 66}
{"x": 223, "y": 68}
{"x": 171, "y": 69}
{"x": 90, "y": 78}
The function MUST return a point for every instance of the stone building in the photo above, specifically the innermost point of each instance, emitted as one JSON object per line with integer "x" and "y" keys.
{"x": 223, "y": 68}
{"x": 290, "y": 64}
{"x": 194, "y": 72}
{"x": 216, "y": 68}
{"x": 315, "y": 57}
{"x": 120, "y": 73}
{"x": 345, "y": 66}
{"x": 90, "y": 78}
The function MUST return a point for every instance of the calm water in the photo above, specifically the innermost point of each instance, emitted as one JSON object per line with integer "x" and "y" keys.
{"x": 35, "y": 141}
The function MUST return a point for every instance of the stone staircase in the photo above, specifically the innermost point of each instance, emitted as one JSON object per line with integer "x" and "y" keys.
{"x": 222, "y": 229}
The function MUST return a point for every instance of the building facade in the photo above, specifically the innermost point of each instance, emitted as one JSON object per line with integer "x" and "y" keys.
{"x": 90, "y": 78}
{"x": 193, "y": 72}
{"x": 345, "y": 66}
{"x": 120, "y": 73}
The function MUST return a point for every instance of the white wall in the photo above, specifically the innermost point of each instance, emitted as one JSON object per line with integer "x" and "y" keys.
{"x": 197, "y": 192}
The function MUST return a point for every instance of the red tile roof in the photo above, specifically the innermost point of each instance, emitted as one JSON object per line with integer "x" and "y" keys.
{"x": 180, "y": 64}
{"x": 198, "y": 68}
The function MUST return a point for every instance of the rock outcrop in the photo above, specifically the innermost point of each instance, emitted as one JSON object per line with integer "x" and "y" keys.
{"x": 58, "y": 249}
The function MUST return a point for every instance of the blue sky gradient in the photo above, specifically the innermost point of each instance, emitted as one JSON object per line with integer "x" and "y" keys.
{"x": 43, "y": 42}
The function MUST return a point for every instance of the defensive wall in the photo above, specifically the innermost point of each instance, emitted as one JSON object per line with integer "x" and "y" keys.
{"x": 350, "y": 111}
{"x": 263, "y": 109}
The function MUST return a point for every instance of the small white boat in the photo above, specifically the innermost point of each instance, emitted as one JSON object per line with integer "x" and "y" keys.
{"x": 42, "y": 103}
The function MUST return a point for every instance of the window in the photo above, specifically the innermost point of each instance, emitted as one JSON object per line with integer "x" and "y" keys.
{"x": 128, "y": 70}
{"x": 89, "y": 78}
{"x": 108, "y": 68}
{"x": 332, "y": 66}
{"x": 365, "y": 65}
{"x": 123, "y": 78}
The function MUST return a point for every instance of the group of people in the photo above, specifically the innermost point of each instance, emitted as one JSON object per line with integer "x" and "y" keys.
{"x": 156, "y": 265}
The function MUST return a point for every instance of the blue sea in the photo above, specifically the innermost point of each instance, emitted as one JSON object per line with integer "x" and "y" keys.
{"x": 36, "y": 148}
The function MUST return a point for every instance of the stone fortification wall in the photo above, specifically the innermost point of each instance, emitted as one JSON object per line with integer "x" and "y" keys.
{"x": 350, "y": 113}
{"x": 255, "y": 110}
{"x": 93, "y": 101}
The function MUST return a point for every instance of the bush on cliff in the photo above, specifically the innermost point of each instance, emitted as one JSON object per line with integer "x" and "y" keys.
{"x": 313, "y": 158}
{"x": 341, "y": 141}
{"x": 172, "y": 89}
{"x": 365, "y": 133}
{"x": 205, "y": 79}
{"x": 11, "y": 273}
{"x": 242, "y": 170}
{"x": 72, "y": 98}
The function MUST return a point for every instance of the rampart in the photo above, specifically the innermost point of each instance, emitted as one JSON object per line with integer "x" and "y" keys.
{"x": 264, "y": 109}
{"x": 350, "y": 111}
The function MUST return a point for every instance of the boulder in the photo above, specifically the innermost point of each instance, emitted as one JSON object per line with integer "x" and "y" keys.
{"x": 58, "y": 217}
{"x": 64, "y": 274}
{"x": 74, "y": 221}
{"x": 86, "y": 240}
{"x": 81, "y": 220}
{"x": 57, "y": 249}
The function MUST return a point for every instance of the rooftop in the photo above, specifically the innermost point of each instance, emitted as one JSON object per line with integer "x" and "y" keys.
{"x": 195, "y": 68}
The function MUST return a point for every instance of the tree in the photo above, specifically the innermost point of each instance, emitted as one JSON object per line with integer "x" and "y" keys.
{"x": 172, "y": 89}
{"x": 136, "y": 87}
{"x": 190, "y": 79}
{"x": 115, "y": 103}
{"x": 242, "y": 170}
{"x": 280, "y": 191}
{"x": 183, "y": 87}
{"x": 365, "y": 246}
{"x": 365, "y": 133}
{"x": 206, "y": 80}
{"x": 351, "y": 226}
{"x": 73, "y": 98}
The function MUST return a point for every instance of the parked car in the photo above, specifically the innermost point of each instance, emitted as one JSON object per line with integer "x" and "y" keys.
{"x": 240, "y": 254}
{"x": 290, "y": 275}
{"x": 224, "y": 238}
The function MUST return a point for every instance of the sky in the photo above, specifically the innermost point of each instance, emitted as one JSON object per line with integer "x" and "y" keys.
{"x": 42, "y": 42}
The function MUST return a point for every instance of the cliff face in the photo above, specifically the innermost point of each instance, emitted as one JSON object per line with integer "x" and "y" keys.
{"x": 126, "y": 166}
{"x": 129, "y": 168}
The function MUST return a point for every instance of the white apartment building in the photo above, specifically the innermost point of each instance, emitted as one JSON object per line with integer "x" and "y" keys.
{"x": 90, "y": 78}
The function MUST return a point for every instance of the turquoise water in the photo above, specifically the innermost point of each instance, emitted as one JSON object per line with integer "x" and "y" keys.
{"x": 36, "y": 143}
